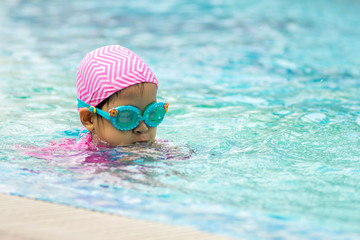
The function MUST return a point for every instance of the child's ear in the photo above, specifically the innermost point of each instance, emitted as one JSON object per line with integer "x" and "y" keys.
{"x": 86, "y": 119}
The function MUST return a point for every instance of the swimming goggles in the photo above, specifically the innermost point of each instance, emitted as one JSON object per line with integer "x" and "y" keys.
{"x": 127, "y": 118}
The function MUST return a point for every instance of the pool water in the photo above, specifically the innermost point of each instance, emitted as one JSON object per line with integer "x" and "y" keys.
{"x": 263, "y": 128}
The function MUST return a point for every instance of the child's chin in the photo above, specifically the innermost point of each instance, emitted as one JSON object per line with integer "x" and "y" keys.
{"x": 142, "y": 143}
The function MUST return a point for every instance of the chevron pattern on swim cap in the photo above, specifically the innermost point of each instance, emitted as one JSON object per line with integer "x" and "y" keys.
{"x": 107, "y": 70}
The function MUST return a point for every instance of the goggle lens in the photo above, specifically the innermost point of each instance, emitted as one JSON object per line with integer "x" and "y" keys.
{"x": 156, "y": 115}
{"x": 127, "y": 118}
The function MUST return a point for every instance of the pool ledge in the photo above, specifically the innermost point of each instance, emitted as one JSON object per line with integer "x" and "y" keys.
{"x": 28, "y": 219}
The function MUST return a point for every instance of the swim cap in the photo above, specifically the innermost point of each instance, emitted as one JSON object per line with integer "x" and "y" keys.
{"x": 107, "y": 70}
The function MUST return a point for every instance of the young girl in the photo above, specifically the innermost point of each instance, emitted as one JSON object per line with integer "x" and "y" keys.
{"x": 117, "y": 104}
{"x": 117, "y": 97}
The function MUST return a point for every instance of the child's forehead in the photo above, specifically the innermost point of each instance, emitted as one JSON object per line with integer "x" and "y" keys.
{"x": 139, "y": 94}
{"x": 138, "y": 91}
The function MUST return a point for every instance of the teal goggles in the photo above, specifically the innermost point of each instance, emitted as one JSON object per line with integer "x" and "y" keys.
{"x": 126, "y": 118}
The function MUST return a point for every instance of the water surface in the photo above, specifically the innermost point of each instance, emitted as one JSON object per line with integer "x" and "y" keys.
{"x": 265, "y": 112}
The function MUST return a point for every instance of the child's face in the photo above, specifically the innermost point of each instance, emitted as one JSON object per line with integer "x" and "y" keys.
{"x": 134, "y": 96}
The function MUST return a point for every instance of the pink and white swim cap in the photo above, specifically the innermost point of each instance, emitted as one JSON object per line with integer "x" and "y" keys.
{"x": 107, "y": 70}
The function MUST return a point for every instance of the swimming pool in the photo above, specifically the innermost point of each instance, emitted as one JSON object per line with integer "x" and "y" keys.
{"x": 265, "y": 93}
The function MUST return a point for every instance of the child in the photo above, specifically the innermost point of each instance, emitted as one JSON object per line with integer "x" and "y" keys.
{"x": 117, "y": 97}
{"x": 117, "y": 104}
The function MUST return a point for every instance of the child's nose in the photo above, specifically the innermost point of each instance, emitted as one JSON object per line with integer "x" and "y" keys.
{"x": 141, "y": 128}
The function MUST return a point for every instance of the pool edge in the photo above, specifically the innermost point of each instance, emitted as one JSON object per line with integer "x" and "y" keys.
{"x": 23, "y": 218}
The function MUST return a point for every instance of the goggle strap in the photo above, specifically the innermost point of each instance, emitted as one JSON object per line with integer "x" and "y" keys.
{"x": 102, "y": 113}
{"x": 82, "y": 104}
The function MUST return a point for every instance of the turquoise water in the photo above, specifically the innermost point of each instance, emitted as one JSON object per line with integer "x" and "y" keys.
{"x": 265, "y": 93}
